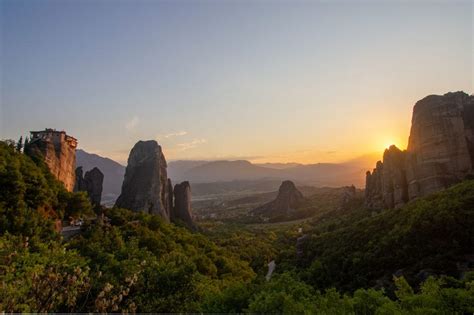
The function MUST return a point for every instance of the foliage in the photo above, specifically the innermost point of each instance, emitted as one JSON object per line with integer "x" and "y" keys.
{"x": 174, "y": 269}
{"x": 135, "y": 262}
{"x": 31, "y": 199}
{"x": 433, "y": 233}
{"x": 41, "y": 278}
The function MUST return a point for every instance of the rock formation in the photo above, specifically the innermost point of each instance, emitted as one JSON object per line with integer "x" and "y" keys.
{"x": 170, "y": 195}
{"x": 386, "y": 186}
{"x": 58, "y": 150}
{"x": 146, "y": 186}
{"x": 79, "y": 185}
{"x": 347, "y": 196}
{"x": 182, "y": 204}
{"x": 289, "y": 198}
{"x": 440, "y": 153}
{"x": 91, "y": 183}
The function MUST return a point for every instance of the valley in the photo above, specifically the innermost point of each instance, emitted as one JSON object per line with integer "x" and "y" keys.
{"x": 237, "y": 157}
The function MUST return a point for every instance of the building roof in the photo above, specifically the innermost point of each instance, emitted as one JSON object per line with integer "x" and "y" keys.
{"x": 51, "y": 130}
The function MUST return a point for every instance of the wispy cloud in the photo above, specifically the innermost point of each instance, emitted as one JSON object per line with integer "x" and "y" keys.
{"x": 131, "y": 124}
{"x": 190, "y": 145}
{"x": 172, "y": 134}
{"x": 176, "y": 134}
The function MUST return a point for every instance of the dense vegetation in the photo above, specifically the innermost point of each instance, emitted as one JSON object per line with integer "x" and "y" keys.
{"x": 433, "y": 235}
{"x": 137, "y": 263}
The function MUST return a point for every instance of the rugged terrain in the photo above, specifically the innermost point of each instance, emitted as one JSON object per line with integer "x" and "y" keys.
{"x": 439, "y": 154}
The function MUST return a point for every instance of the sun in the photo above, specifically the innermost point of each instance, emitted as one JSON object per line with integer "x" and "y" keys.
{"x": 385, "y": 143}
{"x": 388, "y": 144}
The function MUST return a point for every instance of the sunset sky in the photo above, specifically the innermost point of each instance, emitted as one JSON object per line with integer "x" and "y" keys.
{"x": 268, "y": 81}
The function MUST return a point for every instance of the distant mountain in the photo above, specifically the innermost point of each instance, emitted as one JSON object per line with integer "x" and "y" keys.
{"x": 216, "y": 171}
{"x": 177, "y": 169}
{"x": 113, "y": 173}
{"x": 210, "y": 177}
{"x": 279, "y": 166}
{"x": 321, "y": 174}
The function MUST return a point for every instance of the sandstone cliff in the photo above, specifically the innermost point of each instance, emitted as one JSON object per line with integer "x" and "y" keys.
{"x": 91, "y": 183}
{"x": 289, "y": 198}
{"x": 182, "y": 205}
{"x": 58, "y": 150}
{"x": 145, "y": 186}
{"x": 440, "y": 153}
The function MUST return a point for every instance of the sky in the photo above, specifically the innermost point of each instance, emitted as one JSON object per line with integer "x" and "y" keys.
{"x": 266, "y": 81}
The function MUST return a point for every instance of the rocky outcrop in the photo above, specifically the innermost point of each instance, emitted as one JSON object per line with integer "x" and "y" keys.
{"x": 182, "y": 205}
{"x": 394, "y": 182}
{"x": 170, "y": 195}
{"x": 373, "y": 187}
{"x": 58, "y": 151}
{"x": 440, "y": 153}
{"x": 145, "y": 186}
{"x": 347, "y": 196}
{"x": 440, "y": 144}
{"x": 79, "y": 184}
{"x": 289, "y": 198}
{"x": 91, "y": 183}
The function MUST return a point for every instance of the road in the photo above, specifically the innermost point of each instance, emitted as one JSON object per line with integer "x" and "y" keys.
{"x": 271, "y": 268}
{"x": 69, "y": 231}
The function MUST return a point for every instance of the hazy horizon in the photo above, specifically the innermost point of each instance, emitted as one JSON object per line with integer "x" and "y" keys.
{"x": 277, "y": 81}
{"x": 369, "y": 159}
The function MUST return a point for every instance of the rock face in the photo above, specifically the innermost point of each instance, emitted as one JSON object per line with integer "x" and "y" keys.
{"x": 289, "y": 198}
{"x": 58, "y": 150}
{"x": 146, "y": 186}
{"x": 182, "y": 204}
{"x": 440, "y": 153}
{"x": 79, "y": 185}
{"x": 91, "y": 183}
{"x": 347, "y": 196}
{"x": 386, "y": 186}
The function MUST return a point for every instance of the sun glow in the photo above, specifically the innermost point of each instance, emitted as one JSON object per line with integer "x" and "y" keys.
{"x": 385, "y": 143}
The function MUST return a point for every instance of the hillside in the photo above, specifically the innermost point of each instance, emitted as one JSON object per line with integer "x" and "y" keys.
{"x": 135, "y": 262}
{"x": 433, "y": 235}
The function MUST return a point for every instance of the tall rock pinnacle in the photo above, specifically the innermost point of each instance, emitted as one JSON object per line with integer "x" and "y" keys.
{"x": 182, "y": 205}
{"x": 440, "y": 153}
{"x": 145, "y": 186}
{"x": 288, "y": 199}
{"x": 91, "y": 183}
{"x": 58, "y": 151}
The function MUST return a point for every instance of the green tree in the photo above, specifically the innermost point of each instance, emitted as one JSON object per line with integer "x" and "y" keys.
{"x": 43, "y": 278}
{"x": 284, "y": 294}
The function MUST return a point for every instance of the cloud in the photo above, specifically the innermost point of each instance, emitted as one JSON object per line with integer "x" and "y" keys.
{"x": 190, "y": 145}
{"x": 131, "y": 124}
{"x": 172, "y": 134}
{"x": 176, "y": 134}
